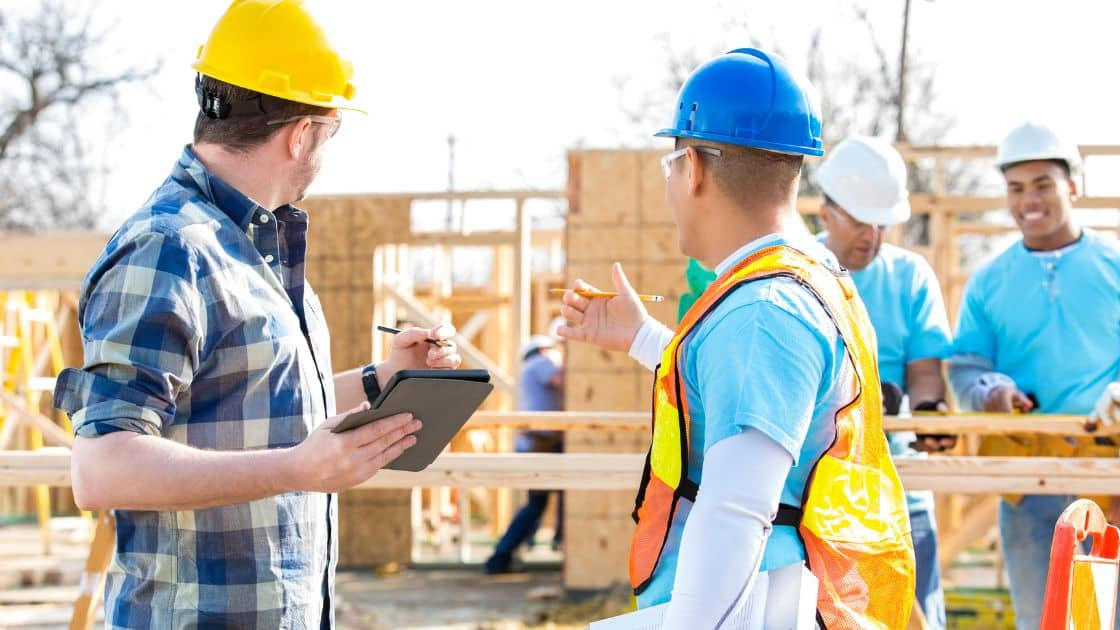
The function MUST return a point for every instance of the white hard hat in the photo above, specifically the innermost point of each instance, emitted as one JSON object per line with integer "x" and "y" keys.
{"x": 867, "y": 178}
{"x": 1036, "y": 141}
{"x": 537, "y": 342}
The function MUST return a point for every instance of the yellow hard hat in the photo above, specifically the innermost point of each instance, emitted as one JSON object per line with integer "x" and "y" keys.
{"x": 276, "y": 47}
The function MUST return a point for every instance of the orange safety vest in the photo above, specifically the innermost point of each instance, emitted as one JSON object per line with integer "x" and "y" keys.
{"x": 854, "y": 520}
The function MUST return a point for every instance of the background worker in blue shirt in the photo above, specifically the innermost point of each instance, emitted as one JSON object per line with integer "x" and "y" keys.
{"x": 540, "y": 388}
{"x": 1039, "y": 322}
{"x": 864, "y": 185}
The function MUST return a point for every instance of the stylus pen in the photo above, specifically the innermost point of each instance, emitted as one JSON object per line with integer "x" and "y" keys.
{"x": 397, "y": 331}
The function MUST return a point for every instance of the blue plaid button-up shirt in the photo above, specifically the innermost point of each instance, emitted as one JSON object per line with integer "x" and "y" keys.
{"x": 199, "y": 327}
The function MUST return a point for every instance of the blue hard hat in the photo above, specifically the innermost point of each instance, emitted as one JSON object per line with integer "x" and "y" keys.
{"x": 749, "y": 98}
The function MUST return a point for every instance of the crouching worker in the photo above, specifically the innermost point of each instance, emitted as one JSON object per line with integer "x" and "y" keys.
{"x": 768, "y": 447}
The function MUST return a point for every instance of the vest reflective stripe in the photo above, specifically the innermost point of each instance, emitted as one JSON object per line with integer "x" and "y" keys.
{"x": 855, "y": 524}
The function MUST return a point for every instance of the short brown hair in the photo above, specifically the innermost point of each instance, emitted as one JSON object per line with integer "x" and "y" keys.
{"x": 748, "y": 175}
{"x": 245, "y": 130}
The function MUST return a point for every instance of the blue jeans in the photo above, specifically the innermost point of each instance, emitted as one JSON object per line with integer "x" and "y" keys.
{"x": 928, "y": 593}
{"x": 1026, "y": 532}
{"x": 522, "y": 528}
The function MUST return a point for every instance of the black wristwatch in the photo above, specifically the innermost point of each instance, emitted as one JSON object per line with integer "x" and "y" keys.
{"x": 369, "y": 382}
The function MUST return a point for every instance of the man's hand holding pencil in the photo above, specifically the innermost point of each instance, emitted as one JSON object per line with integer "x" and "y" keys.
{"x": 609, "y": 322}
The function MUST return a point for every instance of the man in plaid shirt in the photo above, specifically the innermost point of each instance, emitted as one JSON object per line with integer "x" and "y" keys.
{"x": 204, "y": 408}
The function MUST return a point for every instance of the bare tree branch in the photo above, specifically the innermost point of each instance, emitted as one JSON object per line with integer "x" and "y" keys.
{"x": 48, "y": 57}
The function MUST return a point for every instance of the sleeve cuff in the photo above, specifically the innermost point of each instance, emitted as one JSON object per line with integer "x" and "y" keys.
{"x": 650, "y": 342}
{"x": 986, "y": 383}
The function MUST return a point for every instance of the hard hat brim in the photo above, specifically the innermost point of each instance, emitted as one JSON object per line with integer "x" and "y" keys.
{"x": 893, "y": 215}
{"x": 334, "y": 102}
{"x": 788, "y": 149}
{"x": 1074, "y": 166}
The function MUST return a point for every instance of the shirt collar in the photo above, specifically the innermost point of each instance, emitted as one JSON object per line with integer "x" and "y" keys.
{"x": 1056, "y": 253}
{"x": 190, "y": 172}
{"x": 750, "y": 248}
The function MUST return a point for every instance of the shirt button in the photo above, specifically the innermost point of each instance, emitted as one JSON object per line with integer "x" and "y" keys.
{"x": 263, "y": 219}
{"x": 268, "y": 258}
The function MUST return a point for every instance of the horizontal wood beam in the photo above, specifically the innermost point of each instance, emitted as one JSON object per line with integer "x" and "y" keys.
{"x": 614, "y": 471}
{"x": 474, "y": 239}
{"x": 911, "y": 153}
{"x": 464, "y": 195}
{"x": 961, "y": 424}
{"x": 560, "y": 420}
{"x": 48, "y": 261}
{"x": 928, "y": 203}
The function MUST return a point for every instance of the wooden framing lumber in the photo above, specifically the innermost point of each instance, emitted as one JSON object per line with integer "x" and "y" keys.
{"x": 960, "y": 424}
{"x": 472, "y": 354}
{"x": 982, "y": 517}
{"x": 54, "y": 261}
{"x": 621, "y": 471}
{"x": 52, "y": 433}
{"x": 92, "y": 586}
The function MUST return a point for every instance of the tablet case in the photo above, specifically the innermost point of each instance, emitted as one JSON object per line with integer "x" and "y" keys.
{"x": 443, "y": 404}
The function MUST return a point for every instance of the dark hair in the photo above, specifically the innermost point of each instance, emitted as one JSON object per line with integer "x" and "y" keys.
{"x": 748, "y": 175}
{"x": 1061, "y": 163}
{"x": 246, "y": 115}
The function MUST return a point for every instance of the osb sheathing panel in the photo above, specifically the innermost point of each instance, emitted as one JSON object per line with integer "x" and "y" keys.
{"x": 369, "y": 520}
{"x": 602, "y": 390}
{"x": 608, "y": 189}
{"x": 374, "y": 525}
{"x": 651, "y": 190}
{"x": 658, "y": 243}
{"x": 584, "y": 356}
{"x": 604, "y": 243}
{"x": 617, "y": 213}
{"x": 597, "y": 552}
{"x": 355, "y": 225}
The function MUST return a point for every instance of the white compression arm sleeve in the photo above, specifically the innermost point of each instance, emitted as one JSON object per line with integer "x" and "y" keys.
{"x": 650, "y": 342}
{"x": 972, "y": 380}
{"x": 726, "y": 531}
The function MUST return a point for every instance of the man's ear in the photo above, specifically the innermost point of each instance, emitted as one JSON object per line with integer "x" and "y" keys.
{"x": 697, "y": 171}
{"x": 825, "y": 213}
{"x": 1074, "y": 190}
{"x": 299, "y": 139}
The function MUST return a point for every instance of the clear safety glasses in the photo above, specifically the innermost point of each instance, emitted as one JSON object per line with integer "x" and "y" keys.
{"x": 333, "y": 122}
{"x": 667, "y": 159}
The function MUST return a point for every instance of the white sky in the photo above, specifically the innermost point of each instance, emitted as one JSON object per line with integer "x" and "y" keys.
{"x": 520, "y": 82}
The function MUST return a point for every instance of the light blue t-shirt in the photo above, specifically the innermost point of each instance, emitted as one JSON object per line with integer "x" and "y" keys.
{"x": 768, "y": 358}
{"x": 907, "y": 312}
{"x": 904, "y": 302}
{"x": 536, "y": 393}
{"x": 1050, "y": 321}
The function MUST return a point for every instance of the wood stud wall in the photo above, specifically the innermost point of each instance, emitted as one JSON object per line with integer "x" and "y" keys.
{"x": 617, "y": 213}
{"x": 374, "y": 525}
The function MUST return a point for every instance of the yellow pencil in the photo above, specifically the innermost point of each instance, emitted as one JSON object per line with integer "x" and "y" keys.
{"x": 608, "y": 294}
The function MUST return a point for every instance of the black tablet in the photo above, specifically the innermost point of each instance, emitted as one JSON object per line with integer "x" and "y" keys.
{"x": 443, "y": 399}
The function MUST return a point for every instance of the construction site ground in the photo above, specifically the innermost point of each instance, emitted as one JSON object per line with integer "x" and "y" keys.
{"x": 38, "y": 591}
